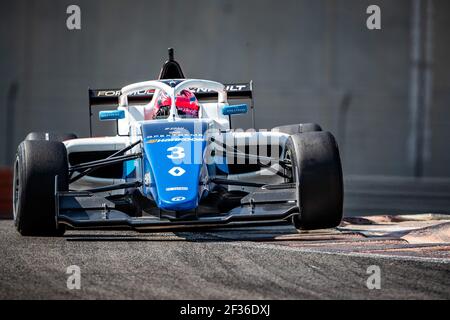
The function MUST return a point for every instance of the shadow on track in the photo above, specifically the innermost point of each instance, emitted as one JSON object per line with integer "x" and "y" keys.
{"x": 187, "y": 235}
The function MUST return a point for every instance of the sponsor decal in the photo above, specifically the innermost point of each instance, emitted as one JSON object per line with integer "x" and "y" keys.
{"x": 229, "y": 88}
{"x": 150, "y": 92}
{"x": 178, "y": 199}
{"x": 178, "y": 131}
{"x": 110, "y": 93}
{"x": 177, "y": 189}
{"x": 177, "y": 171}
{"x": 156, "y": 136}
{"x": 174, "y": 128}
{"x": 174, "y": 139}
{"x": 117, "y": 93}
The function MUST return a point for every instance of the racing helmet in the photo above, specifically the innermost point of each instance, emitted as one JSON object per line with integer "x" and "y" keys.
{"x": 186, "y": 103}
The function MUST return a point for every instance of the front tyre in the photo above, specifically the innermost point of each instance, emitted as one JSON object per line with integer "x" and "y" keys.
{"x": 50, "y": 136}
{"x": 316, "y": 170}
{"x": 298, "y": 128}
{"x": 36, "y": 165}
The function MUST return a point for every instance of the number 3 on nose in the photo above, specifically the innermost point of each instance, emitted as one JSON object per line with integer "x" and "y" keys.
{"x": 176, "y": 153}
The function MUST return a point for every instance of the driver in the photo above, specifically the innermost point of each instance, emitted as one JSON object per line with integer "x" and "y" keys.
{"x": 186, "y": 103}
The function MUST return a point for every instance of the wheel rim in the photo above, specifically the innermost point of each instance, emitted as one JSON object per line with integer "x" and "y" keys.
{"x": 287, "y": 171}
{"x": 16, "y": 188}
{"x": 293, "y": 176}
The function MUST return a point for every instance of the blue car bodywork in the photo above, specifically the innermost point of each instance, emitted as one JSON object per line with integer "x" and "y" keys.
{"x": 174, "y": 159}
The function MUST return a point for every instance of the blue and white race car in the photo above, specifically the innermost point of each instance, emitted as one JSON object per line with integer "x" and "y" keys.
{"x": 177, "y": 163}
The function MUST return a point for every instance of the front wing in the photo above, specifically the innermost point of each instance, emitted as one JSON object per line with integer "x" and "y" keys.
{"x": 85, "y": 210}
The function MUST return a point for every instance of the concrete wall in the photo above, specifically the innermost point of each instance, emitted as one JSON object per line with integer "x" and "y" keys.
{"x": 305, "y": 58}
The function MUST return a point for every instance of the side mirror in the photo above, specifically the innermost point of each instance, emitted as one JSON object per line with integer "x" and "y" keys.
{"x": 234, "y": 109}
{"x": 111, "y": 115}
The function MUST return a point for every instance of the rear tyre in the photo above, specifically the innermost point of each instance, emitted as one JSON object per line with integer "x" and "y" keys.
{"x": 316, "y": 170}
{"x": 298, "y": 128}
{"x": 36, "y": 165}
{"x": 51, "y": 136}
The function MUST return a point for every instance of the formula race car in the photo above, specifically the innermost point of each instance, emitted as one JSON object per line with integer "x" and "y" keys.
{"x": 176, "y": 163}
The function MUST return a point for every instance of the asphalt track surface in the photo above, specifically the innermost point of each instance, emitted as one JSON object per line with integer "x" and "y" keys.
{"x": 206, "y": 265}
